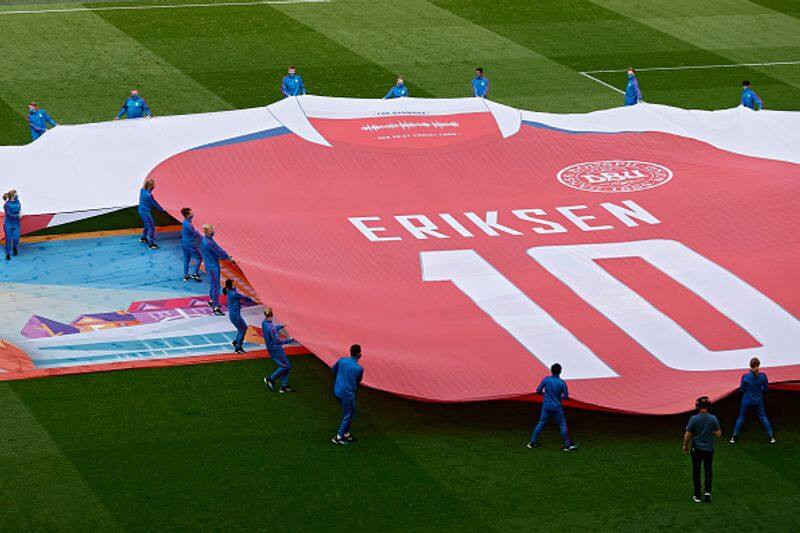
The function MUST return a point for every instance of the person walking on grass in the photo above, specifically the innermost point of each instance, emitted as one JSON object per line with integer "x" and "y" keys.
{"x": 632, "y": 93}
{"x": 134, "y": 107}
{"x": 750, "y": 98}
{"x": 12, "y": 210}
{"x": 398, "y": 90}
{"x": 235, "y": 301}
{"x": 555, "y": 392}
{"x": 753, "y": 386}
{"x": 349, "y": 374}
{"x": 480, "y": 84}
{"x": 292, "y": 84}
{"x": 191, "y": 253}
{"x": 38, "y": 119}
{"x": 212, "y": 253}
{"x": 698, "y": 440}
{"x": 146, "y": 205}
{"x": 272, "y": 339}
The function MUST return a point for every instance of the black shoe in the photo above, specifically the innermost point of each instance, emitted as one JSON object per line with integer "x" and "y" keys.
{"x": 339, "y": 440}
{"x": 348, "y": 437}
{"x": 532, "y": 445}
{"x": 8, "y": 257}
{"x": 143, "y": 240}
{"x": 186, "y": 278}
{"x": 239, "y": 349}
{"x": 154, "y": 246}
{"x": 269, "y": 383}
{"x": 733, "y": 440}
{"x": 286, "y": 388}
{"x": 196, "y": 277}
{"x": 570, "y": 447}
{"x": 708, "y": 497}
{"x": 771, "y": 439}
{"x": 15, "y": 251}
{"x": 218, "y": 311}
{"x": 696, "y": 499}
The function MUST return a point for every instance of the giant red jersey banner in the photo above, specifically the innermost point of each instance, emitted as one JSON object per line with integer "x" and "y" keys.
{"x": 468, "y": 251}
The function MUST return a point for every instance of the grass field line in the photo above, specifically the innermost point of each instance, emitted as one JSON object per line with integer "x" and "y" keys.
{"x": 688, "y": 67}
{"x": 164, "y": 6}
{"x": 588, "y": 73}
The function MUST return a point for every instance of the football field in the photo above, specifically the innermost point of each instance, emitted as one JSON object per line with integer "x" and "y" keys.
{"x": 206, "y": 446}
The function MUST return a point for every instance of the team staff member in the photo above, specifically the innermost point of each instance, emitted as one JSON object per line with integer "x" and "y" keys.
{"x": 555, "y": 391}
{"x": 750, "y": 98}
{"x": 134, "y": 107}
{"x": 632, "y": 93}
{"x": 191, "y": 254}
{"x": 12, "y": 210}
{"x": 146, "y": 205}
{"x": 348, "y": 375}
{"x": 38, "y": 119}
{"x": 212, "y": 253}
{"x": 701, "y": 432}
{"x": 235, "y": 301}
{"x": 275, "y": 344}
{"x": 753, "y": 386}
{"x": 398, "y": 90}
{"x": 480, "y": 84}
{"x": 292, "y": 84}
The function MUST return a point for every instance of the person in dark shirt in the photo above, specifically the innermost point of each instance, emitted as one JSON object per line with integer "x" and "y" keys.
{"x": 753, "y": 386}
{"x": 701, "y": 433}
{"x": 555, "y": 391}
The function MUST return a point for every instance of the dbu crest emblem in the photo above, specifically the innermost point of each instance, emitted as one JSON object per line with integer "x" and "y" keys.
{"x": 614, "y": 176}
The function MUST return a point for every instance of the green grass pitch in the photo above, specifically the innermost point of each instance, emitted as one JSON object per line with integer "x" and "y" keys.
{"x": 206, "y": 447}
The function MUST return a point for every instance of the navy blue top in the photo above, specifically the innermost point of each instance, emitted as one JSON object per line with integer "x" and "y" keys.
{"x": 753, "y": 387}
{"x": 555, "y": 391}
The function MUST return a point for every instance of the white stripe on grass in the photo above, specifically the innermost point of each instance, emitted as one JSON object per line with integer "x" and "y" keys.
{"x": 166, "y": 6}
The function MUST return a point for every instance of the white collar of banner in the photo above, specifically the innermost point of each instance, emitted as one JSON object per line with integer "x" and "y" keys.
{"x": 293, "y": 113}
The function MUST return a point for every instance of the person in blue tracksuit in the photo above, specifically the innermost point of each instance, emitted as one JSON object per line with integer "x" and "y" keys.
{"x": 134, "y": 107}
{"x": 632, "y": 93}
{"x": 292, "y": 84}
{"x": 147, "y": 203}
{"x": 480, "y": 84}
{"x": 191, "y": 253}
{"x": 212, "y": 253}
{"x": 555, "y": 391}
{"x": 38, "y": 119}
{"x": 753, "y": 386}
{"x": 398, "y": 90}
{"x": 12, "y": 210}
{"x": 750, "y": 98}
{"x": 275, "y": 344}
{"x": 349, "y": 374}
{"x": 235, "y": 301}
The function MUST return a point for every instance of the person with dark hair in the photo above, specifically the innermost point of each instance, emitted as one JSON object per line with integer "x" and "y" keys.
{"x": 191, "y": 253}
{"x": 146, "y": 205}
{"x": 555, "y": 391}
{"x": 480, "y": 84}
{"x": 274, "y": 343}
{"x": 750, "y": 98}
{"x": 398, "y": 90}
{"x": 235, "y": 301}
{"x": 12, "y": 210}
{"x": 348, "y": 375}
{"x": 701, "y": 432}
{"x": 212, "y": 253}
{"x": 292, "y": 84}
{"x": 38, "y": 119}
{"x": 633, "y": 95}
{"x": 753, "y": 386}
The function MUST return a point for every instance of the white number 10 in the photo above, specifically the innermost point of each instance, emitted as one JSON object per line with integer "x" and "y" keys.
{"x": 776, "y": 330}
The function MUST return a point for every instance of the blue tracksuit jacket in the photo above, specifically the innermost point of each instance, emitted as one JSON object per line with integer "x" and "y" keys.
{"x": 134, "y": 107}
{"x": 555, "y": 391}
{"x": 348, "y": 376}
{"x": 753, "y": 387}
{"x": 38, "y": 121}
{"x": 189, "y": 234}
{"x": 212, "y": 252}
{"x": 480, "y": 86}
{"x": 751, "y": 99}
{"x": 147, "y": 202}
{"x": 397, "y": 91}
{"x": 632, "y": 93}
{"x": 292, "y": 85}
